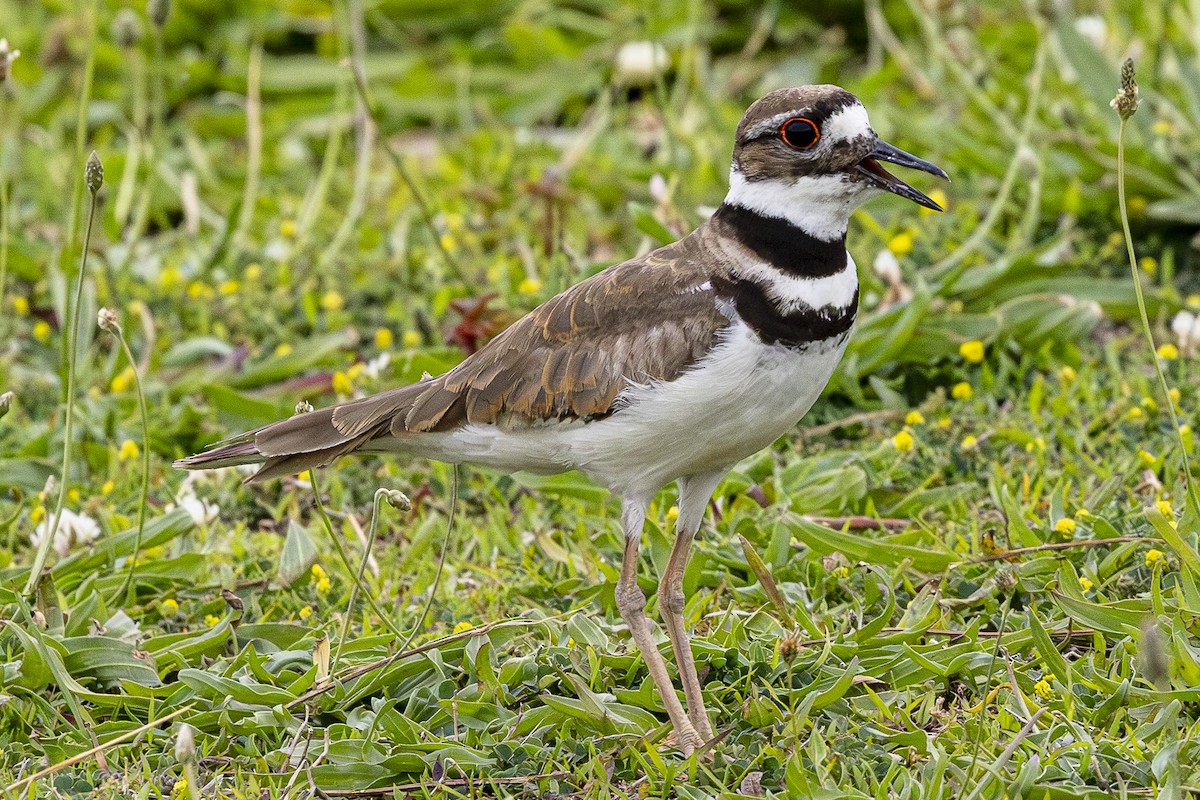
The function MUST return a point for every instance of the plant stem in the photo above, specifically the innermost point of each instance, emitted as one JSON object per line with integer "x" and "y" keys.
{"x": 1189, "y": 483}
{"x": 345, "y": 559}
{"x": 85, "y": 98}
{"x": 127, "y": 585}
{"x": 362, "y": 568}
{"x": 70, "y": 335}
{"x": 437, "y": 578}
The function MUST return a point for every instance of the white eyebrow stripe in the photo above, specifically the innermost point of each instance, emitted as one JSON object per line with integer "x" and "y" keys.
{"x": 849, "y": 123}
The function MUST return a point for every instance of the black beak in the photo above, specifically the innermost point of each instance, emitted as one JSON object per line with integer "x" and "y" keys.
{"x": 885, "y": 180}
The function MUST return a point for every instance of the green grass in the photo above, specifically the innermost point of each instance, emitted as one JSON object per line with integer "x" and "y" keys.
{"x": 912, "y": 657}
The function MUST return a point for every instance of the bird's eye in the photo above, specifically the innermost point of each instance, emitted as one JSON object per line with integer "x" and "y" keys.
{"x": 799, "y": 133}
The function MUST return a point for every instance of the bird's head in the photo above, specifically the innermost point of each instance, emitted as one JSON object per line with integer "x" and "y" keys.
{"x": 808, "y": 154}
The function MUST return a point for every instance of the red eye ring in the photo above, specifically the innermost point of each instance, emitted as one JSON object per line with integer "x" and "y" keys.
{"x": 800, "y": 133}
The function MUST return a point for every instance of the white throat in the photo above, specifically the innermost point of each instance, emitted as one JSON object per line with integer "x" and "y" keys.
{"x": 818, "y": 205}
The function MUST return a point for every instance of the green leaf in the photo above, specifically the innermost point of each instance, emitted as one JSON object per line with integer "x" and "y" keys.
{"x": 298, "y": 556}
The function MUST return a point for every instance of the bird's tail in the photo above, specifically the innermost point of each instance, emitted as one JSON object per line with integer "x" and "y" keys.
{"x": 286, "y": 447}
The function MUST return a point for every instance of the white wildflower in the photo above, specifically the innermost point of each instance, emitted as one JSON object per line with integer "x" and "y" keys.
{"x": 374, "y": 367}
{"x": 73, "y": 530}
{"x": 7, "y": 57}
{"x": 1093, "y": 28}
{"x": 658, "y": 189}
{"x": 1186, "y": 327}
{"x": 887, "y": 266}
{"x": 201, "y": 511}
{"x": 640, "y": 63}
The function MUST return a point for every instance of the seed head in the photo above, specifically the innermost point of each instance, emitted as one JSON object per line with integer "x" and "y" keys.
{"x": 127, "y": 28}
{"x": 1126, "y": 101}
{"x": 107, "y": 320}
{"x": 397, "y": 499}
{"x": 185, "y": 745}
{"x": 93, "y": 174}
{"x": 303, "y": 407}
{"x": 789, "y": 648}
{"x": 158, "y": 11}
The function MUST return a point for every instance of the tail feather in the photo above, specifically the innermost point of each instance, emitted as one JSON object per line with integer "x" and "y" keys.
{"x": 286, "y": 447}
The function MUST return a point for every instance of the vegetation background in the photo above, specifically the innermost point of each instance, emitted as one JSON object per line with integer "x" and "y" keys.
{"x": 969, "y": 574}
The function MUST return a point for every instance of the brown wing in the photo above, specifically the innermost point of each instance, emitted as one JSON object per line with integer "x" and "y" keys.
{"x": 570, "y": 358}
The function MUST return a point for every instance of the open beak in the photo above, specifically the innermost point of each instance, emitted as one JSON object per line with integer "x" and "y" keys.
{"x": 885, "y": 180}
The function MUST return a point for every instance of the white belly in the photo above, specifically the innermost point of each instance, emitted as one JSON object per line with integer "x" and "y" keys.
{"x": 738, "y": 400}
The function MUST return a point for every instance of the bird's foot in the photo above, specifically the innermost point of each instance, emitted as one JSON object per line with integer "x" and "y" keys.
{"x": 686, "y": 739}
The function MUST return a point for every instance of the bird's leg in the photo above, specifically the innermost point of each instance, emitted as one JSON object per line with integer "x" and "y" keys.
{"x": 693, "y": 500}
{"x": 631, "y": 602}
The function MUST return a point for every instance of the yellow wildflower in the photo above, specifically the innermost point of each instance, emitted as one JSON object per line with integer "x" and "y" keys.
{"x": 1085, "y": 583}
{"x": 129, "y": 450}
{"x": 904, "y": 441}
{"x": 74, "y": 496}
{"x": 287, "y": 229}
{"x": 937, "y": 196}
{"x": 384, "y": 339}
{"x": 1150, "y": 405}
{"x": 1146, "y": 458}
{"x": 229, "y": 287}
{"x": 972, "y": 351}
{"x": 1038, "y": 444}
{"x": 962, "y": 391}
{"x": 168, "y": 607}
{"x": 968, "y": 443}
{"x": 322, "y": 578}
{"x": 179, "y": 788}
{"x": 107, "y": 487}
{"x": 530, "y": 286}
{"x": 1154, "y": 557}
{"x": 901, "y": 244}
{"x": 1149, "y": 265}
{"x": 463, "y": 626}
{"x": 1065, "y": 526}
{"x": 170, "y": 278}
{"x": 1066, "y": 373}
{"x": 333, "y": 300}
{"x": 914, "y": 418}
{"x": 448, "y": 243}
{"x": 1192, "y": 300}
{"x": 355, "y": 370}
{"x": 21, "y": 306}
{"x": 1167, "y": 351}
{"x": 122, "y": 381}
{"x": 342, "y": 383}
{"x": 37, "y": 515}
{"x": 283, "y": 349}
{"x": 411, "y": 338}
{"x": 41, "y": 331}
{"x": 1135, "y": 413}
{"x": 198, "y": 290}
{"x": 1174, "y": 394}
{"x": 1043, "y": 689}
{"x": 305, "y": 613}
{"x": 672, "y": 514}
{"x": 1162, "y": 127}
{"x": 211, "y": 620}
{"x": 253, "y": 272}
{"x": 1164, "y": 508}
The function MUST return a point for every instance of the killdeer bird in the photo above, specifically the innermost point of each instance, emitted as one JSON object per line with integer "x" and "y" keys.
{"x": 669, "y": 367}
